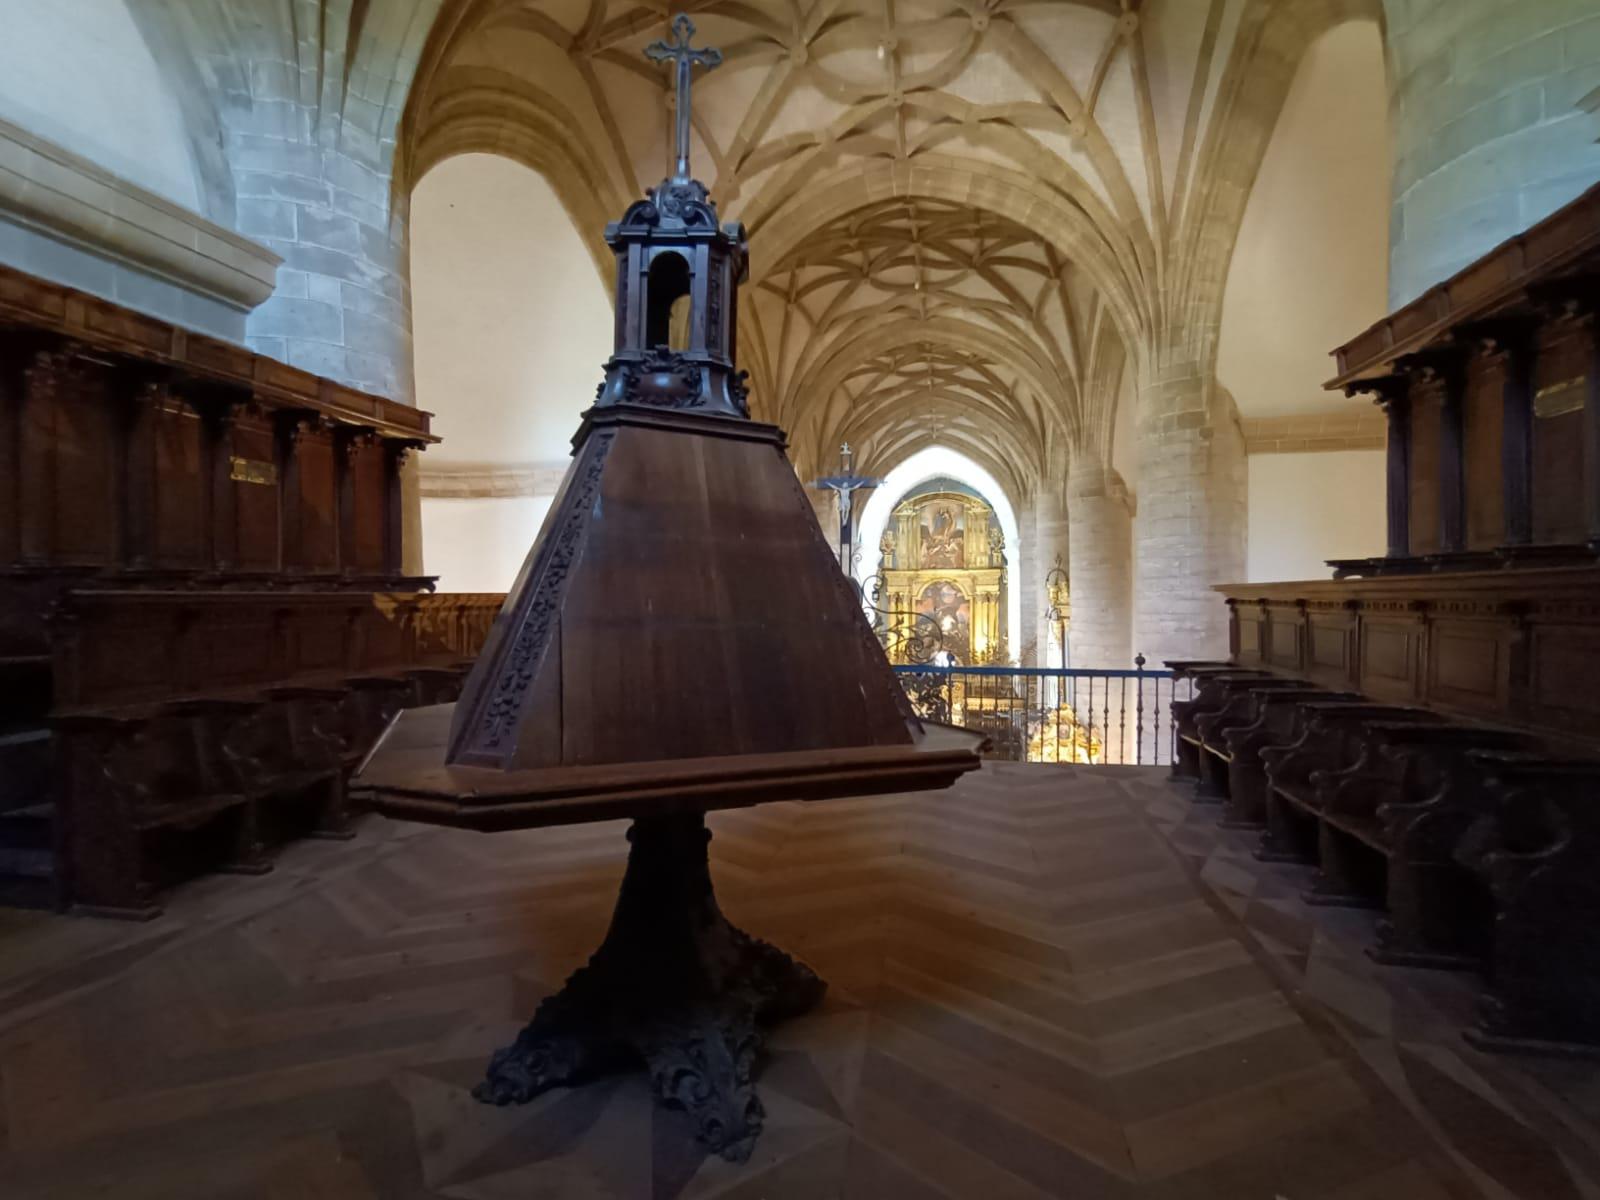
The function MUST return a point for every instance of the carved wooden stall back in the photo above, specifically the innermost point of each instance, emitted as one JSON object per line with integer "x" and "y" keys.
{"x": 1444, "y": 763}
{"x": 136, "y": 453}
{"x": 204, "y": 615}
{"x": 1491, "y": 383}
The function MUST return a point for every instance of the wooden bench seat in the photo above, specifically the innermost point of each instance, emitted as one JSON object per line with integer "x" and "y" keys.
{"x": 227, "y": 774}
{"x": 1279, "y": 720}
{"x": 1422, "y": 806}
{"x": 1238, "y": 709}
{"x": 129, "y": 776}
{"x": 1213, "y": 685}
{"x": 1329, "y": 741}
{"x": 1535, "y": 847}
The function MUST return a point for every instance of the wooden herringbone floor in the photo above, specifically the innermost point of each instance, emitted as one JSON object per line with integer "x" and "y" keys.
{"x": 1038, "y": 989}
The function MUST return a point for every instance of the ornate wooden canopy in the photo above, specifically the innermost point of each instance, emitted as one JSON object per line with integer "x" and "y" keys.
{"x": 680, "y": 639}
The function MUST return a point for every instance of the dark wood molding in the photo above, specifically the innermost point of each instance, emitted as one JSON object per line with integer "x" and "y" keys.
{"x": 39, "y": 308}
{"x": 1512, "y": 278}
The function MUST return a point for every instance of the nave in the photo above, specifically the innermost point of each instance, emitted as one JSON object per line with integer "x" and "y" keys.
{"x": 1044, "y": 981}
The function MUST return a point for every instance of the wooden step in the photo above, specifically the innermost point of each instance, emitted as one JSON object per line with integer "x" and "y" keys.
{"x": 25, "y": 689}
{"x": 24, "y": 768}
{"x": 28, "y": 828}
{"x": 27, "y": 879}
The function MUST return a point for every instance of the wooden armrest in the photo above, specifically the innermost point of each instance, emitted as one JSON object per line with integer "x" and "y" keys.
{"x": 198, "y": 706}
{"x": 306, "y": 691}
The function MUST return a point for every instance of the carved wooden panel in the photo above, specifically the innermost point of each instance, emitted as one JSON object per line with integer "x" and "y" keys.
{"x": 1330, "y": 647}
{"x": 79, "y": 432}
{"x": 1563, "y": 662}
{"x": 317, "y": 543}
{"x": 11, "y": 382}
{"x": 254, "y": 480}
{"x": 1425, "y": 470}
{"x": 367, "y": 495}
{"x": 233, "y": 647}
{"x": 318, "y": 640}
{"x": 1560, "y": 385}
{"x": 387, "y": 633}
{"x": 1469, "y": 664}
{"x": 181, "y": 526}
{"x": 1483, "y": 427}
{"x": 1285, "y": 634}
{"x": 1250, "y": 630}
{"x": 1391, "y": 651}
{"x": 122, "y": 661}
{"x": 122, "y": 647}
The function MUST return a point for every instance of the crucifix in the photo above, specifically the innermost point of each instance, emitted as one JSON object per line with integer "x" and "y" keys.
{"x": 679, "y": 51}
{"x": 846, "y": 483}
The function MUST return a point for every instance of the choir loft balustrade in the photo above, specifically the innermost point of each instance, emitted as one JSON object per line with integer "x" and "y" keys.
{"x": 1054, "y": 715}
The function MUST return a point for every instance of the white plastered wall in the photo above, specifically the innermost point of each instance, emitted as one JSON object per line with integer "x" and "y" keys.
{"x": 78, "y": 72}
{"x": 511, "y": 326}
{"x": 1310, "y": 272}
{"x": 1308, "y": 508}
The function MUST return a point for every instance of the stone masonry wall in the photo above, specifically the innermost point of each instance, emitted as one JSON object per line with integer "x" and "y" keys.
{"x": 1050, "y": 542}
{"x": 1491, "y": 132}
{"x": 1026, "y": 577}
{"x": 320, "y": 199}
{"x": 303, "y": 99}
{"x": 1101, "y": 559}
{"x": 1191, "y": 524}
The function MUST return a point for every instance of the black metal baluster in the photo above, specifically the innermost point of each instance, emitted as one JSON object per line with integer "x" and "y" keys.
{"x": 1138, "y": 739}
{"x": 1038, "y": 701}
{"x": 1077, "y": 724}
{"x": 1030, "y": 698}
{"x": 1156, "y": 730}
{"x": 1122, "y": 723}
{"x": 1060, "y": 698}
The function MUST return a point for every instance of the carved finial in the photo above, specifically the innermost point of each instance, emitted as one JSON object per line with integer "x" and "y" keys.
{"x": 680, "y": 52}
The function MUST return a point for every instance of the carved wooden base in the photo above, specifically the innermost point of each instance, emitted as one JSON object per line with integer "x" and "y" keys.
{"x": 116, "y": 912}
{"x": 674, "y": 985}
{"x": 1396, "y": 956}
{"x": 1493, "y": 1043}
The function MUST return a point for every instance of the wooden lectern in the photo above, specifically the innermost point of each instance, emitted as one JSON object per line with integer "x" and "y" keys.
{"x": 680, "y": 639}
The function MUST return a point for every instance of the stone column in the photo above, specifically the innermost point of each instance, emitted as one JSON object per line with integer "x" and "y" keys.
{"x": 1492, "y": 114}
{"x": 1026, "y": 577}
{"x": 295, "y": 111}
{"x": 1190, "y": 529}
{"x": 1101, "y": 569}
{"x": 1050, "y": 542}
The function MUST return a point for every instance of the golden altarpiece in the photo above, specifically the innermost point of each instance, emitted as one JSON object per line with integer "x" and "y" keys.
{"x": 944, "y": 560}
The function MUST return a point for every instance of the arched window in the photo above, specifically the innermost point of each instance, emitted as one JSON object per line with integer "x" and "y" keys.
{"x": 667, "y": 316}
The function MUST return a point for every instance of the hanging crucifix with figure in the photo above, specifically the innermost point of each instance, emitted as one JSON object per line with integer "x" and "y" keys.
{"x": 846, "y": 483}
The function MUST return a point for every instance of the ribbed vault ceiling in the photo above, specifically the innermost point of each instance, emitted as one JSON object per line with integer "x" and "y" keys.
{"x": 966, "y": 215}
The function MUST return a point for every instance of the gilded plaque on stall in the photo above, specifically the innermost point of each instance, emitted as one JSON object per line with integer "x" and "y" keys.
{"x": 251, "y": 470}
{"x": 1559, "y": 399}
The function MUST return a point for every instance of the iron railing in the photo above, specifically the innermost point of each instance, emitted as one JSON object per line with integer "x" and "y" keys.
{"x": 1052, "y": 714}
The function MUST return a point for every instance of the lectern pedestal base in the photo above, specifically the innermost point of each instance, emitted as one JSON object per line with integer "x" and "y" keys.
{"x": 674, "y": 985}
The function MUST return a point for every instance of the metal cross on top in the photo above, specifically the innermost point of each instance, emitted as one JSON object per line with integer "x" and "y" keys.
{"x": 686, "y": 57}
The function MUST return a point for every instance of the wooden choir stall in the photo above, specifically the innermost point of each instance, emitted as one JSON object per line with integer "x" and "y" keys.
{"x": 1424, "y": 727}
{"x": 205, "y": 615}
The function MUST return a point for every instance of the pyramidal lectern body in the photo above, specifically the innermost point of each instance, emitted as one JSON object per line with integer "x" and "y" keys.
{"x": 680, "y": 639}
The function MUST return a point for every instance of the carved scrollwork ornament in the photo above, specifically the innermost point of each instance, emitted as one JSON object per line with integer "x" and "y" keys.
{"x": 535, "y": 624}
{"x": 739, "y": 391}
{"x": 662, "y": 378}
